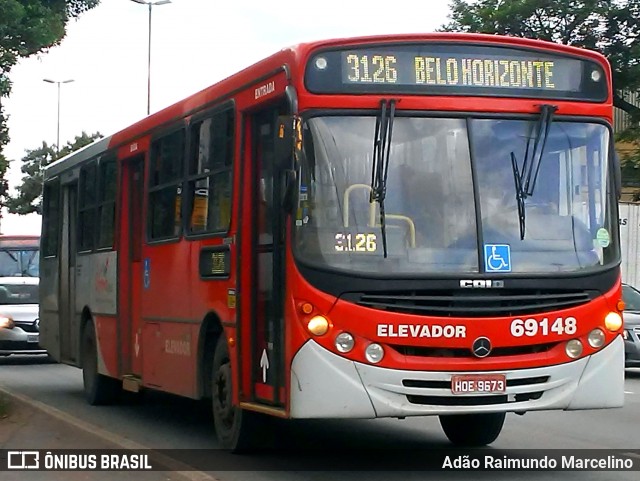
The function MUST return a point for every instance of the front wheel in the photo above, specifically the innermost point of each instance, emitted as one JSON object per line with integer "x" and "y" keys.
{"x": 472, "y": 429}
{"x": 238, "y": 430}
{"x": 98, "y": 389}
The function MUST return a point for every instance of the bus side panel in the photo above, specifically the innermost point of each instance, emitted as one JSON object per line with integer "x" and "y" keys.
{"x": 170, "y": 336}
{"x": 49, "y": 313}
{"x": 169, "y": 356}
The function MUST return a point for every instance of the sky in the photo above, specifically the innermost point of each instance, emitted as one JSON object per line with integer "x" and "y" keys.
{"x": 194, "y": 44}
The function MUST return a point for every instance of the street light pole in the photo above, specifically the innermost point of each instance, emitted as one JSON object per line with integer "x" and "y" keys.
{"x": 58, "y": 82}
{"x": 150, "y": 4}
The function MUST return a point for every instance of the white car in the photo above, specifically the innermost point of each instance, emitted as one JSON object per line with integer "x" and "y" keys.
{"x": 19, "y": 283}
{"x": 19, "y": 324}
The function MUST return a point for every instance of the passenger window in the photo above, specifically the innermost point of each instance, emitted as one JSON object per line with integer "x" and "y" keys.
{"x": 165, "y": 186}
{"x": 106, "y": 203}
{"x": 51, "y": 218}
{"x": 210, "y": 169}
{"x": 86, "y": 210}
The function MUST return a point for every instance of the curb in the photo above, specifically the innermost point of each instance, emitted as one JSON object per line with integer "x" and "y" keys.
{"x": 177, "y": 467}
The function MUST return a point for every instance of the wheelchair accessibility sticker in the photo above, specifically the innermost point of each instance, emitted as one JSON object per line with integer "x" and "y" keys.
{"x": 497, "y": 257}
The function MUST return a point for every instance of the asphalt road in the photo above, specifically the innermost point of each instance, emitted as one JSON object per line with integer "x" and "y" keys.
{"x": 161, "y": 421}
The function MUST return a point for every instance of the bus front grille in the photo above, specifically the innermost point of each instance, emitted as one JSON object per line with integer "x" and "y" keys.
{"x": 439, "y": 352}
{"x": 473, "y": 400}
{"x": 466, "y": 303}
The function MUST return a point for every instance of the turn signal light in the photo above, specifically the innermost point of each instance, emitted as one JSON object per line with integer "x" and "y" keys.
{"x": 306, "y": 308}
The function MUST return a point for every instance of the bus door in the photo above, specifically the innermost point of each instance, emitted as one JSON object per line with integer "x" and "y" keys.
{"x": 132, "y": 234}
{"x": 68, "y": 320}
{"x": 268, "y": 264}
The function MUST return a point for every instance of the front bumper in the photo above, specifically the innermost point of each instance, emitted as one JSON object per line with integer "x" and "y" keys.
{"x": 18, "y": 341}
{"x": 325, "y": 385}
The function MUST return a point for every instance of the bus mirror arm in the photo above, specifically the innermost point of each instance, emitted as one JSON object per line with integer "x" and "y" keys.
{"x": 289, "y": 191}
{"x": 284, "y": 142}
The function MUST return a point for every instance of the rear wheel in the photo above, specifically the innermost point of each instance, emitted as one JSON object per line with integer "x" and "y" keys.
{"x": 237, "y": 429}
{"x": 98, "y": 389}
{"x": 472, "y": 429}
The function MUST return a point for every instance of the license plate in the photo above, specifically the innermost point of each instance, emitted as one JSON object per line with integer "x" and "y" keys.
{"x": 32, "y": 338}
{"x": 478, "y": 383}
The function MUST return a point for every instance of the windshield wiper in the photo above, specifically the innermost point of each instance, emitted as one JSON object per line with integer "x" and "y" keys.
{"x": 525, "y": 181}
{"x": 520, "y": 195}
{"x": 380, "y": 168}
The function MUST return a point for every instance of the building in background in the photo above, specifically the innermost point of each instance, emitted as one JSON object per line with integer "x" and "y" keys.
{"x": 621, "y": 122}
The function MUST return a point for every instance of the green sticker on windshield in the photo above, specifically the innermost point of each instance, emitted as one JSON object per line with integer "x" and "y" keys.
{"x": 603, "y": 238}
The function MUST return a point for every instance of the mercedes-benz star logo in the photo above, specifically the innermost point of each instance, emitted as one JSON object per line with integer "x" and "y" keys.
{"x": 481, "y": 347}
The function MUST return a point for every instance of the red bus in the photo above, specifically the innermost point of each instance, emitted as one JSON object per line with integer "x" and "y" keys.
{"x": 386, "y": 226}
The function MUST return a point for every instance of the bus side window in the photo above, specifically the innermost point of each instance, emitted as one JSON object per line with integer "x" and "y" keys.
{"x": 165, "y": 188}
{"x": 210, "y": 168}
{"x": 86, "y": 208}
{"x": 51, "y": 218}
{"x": 106, "y": 202}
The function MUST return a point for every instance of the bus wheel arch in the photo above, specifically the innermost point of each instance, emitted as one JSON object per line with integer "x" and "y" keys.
{"x": 210, "y": 331}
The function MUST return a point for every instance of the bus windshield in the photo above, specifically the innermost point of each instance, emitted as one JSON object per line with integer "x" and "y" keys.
{"x": 19, "y": 262}
{"x": 19, "y": 275}
{"x": 451, "y": 197}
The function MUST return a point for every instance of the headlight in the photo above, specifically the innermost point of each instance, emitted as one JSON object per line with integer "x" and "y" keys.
{"x": 596, "y": 338}
{"x": 613, "y": 321}
{"x": 6, "y": 322}
{"x": 573, "y": 348}
{"x": 318, "y": 325}
{"x": 374, "y": 353}
{"x": 344, "y": 342}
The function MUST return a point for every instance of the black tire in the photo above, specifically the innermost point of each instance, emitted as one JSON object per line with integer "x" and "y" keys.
{"x": 98, "y": 389}
{"x": 472, "y": 429}
{"x": 237, "y": 429}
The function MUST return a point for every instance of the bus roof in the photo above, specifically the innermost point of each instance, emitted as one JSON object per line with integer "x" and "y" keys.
{"x": 291, "y": 59}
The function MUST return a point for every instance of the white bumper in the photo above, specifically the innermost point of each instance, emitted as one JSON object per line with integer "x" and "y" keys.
{"x": 325, "y": 385}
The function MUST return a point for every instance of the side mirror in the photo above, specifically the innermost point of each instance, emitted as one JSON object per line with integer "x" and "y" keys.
{"x": 283, "y": 148}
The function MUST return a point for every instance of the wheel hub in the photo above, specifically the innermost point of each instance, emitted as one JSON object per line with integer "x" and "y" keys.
{"x": 222, "y": 403}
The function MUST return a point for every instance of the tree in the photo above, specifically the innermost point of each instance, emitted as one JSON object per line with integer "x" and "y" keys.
{"x": 29, "y": 198}
{"x": 609, "y": 26}
{"x": 28, "y": 27}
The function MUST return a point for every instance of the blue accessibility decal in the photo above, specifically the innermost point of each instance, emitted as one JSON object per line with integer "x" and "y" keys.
{"x": 147, "y": 273}
{"x": 497, "y": 257}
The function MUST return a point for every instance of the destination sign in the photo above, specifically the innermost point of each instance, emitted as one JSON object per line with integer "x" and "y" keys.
{"x": 454, "y": 69}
